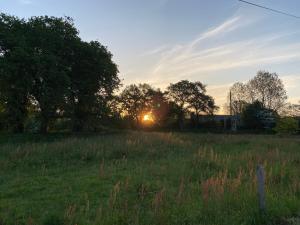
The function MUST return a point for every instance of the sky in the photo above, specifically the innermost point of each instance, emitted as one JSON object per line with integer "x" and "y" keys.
{"x": 217, "y": 42}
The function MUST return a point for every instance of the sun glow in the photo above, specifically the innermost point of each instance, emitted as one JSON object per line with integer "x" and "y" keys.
{"x": 148, "y": 118}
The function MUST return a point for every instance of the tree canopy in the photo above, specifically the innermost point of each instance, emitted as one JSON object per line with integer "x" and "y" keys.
{"x": 265, "y": 87}
{"x": 45, "y": 64}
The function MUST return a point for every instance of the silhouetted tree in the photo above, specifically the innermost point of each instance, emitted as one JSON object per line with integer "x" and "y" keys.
{"x": 265, "y": 87}
{"x": 44, "y": 63}
{"x": 239, "y": 98}
{"x": 49, "y": 37}
{"x": 136, "y": 100}
{"x": 15, "y": 70}
{"x": 199, "y": 102}
{"x": 190, "y": 95}
{"x": 268, "y": 89}
{"x": 94, "y": 78}
{"x": 256, "y": 116}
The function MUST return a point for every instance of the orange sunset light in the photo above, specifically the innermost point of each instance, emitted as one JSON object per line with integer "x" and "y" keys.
{"x": 148, "y": 118}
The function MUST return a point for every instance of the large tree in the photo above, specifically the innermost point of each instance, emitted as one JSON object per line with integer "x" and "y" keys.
{"x": 43, "y": 63}
{"x": 268, "y": 89}
{"x": 136, "y": 100}
{"x": 15, "y": 70}
{"x": 190, "y": 96}
{"x": 237, "y": 98}
{"x": 199, "y": 102}
{"x": 49, "y": 38}
{"x": 265, "y": 87}
{"x": 94, "y": 78}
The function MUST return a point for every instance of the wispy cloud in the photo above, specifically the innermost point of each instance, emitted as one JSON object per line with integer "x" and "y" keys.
{"x": 157, "y": 50}
{"x": 180, "y": 56}
{"x": 225, "y": 49}
{"x": 194, "y": 58}
{"x": 227, "y": 26}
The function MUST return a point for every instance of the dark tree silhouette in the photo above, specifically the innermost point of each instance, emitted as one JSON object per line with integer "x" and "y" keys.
{"x": 190, "y": 96}
{"x": 136, "y": 100}
{"x": 94, "y": 78}
{"x": 48, "y": 39}
{"x": 15, "y": 70}
{"x": 43, "y": 63}
{"x": 265, "y": 87}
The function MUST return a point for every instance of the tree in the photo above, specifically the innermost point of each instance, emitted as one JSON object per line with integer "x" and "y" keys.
{"x": 180, "y": 93}
{"x": 237, "y": 98}
{"x": 199, "y": 101}
{"x": 43, "y": 63}
{"x": 190, "y": 96}
{"x": 287, "y": 125}
{"x": 265, "y": 87}
{"x": 48, "y": 39}
{"x": 94, "y": 78}
{"x": 15, "y": 70}
{"x": 161, "y": 109}
{"x": 268, "y": 89}
{"x": 136, "y": 100}
{"x": 256, "y": 116}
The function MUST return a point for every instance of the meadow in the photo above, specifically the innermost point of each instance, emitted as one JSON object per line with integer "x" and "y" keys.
{"x": 148, "y": 178}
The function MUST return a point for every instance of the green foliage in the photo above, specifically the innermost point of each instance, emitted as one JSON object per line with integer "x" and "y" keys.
{"x": 256, "y": 116}
{"x": 94, "y": 77}
{"x": 190, "y": 96}
{"x": 287, "y": 125}
{"x": 140, "y": 178}
{"x": 45, "y": 65}
{"x": 49, "y": 39}
{"x": 136, "y": 100}
{"x": 15, "y": 72}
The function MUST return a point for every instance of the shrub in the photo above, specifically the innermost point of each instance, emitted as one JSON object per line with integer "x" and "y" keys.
{"x": 257, "y": 117}
{"x": 286, "y": 125}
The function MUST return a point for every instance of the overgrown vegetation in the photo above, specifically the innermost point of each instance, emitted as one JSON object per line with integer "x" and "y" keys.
{"x": 147, "y": 178}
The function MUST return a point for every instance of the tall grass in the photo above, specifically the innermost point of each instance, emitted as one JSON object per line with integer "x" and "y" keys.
{"x": 148, "y": 179}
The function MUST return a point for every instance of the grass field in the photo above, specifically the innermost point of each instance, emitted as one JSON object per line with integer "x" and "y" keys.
{"x": 147, "y": 178}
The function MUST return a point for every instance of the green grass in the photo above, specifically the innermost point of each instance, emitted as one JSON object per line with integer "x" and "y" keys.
{"x": 147, "y": 178}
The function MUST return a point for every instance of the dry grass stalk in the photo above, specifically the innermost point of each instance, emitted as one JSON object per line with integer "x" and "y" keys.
{"x": 114, "y": 193}
{"x": 70, "y": 212}
{"x": 180, "y": 193}
{"x": 142, "y": 191}
{"x": 158, "y": 200}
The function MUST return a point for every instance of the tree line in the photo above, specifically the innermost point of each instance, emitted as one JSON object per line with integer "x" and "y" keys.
{"x": 261, "y": 102}
{"x": 168, "y": 108}
{"x": 47, "y": 72}
{"x": 50, "y": 79}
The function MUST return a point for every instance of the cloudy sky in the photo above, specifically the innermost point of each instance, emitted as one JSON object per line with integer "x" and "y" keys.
{"x": 217, "y": 42}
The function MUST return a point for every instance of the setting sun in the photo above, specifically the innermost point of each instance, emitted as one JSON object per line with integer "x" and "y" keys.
{"x": 148, "y": 118}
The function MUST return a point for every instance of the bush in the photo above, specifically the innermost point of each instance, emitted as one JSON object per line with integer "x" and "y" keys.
{"x": 257, "y": 117}
{"x": 287, "y": 125}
